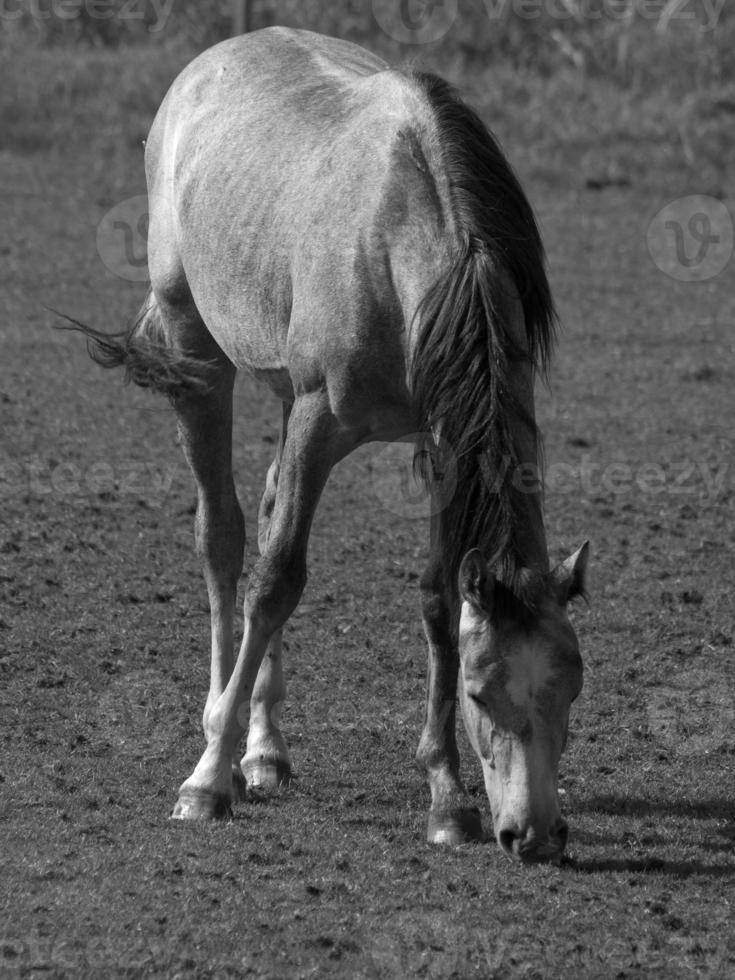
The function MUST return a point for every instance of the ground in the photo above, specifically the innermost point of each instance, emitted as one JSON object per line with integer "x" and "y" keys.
{"x": 104, "y": 627}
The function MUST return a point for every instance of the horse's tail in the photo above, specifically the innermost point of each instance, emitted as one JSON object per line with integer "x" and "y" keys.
{"x": 148, "y": 359}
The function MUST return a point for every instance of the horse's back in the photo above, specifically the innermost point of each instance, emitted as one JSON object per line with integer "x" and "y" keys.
{"x": 284, "y": 170}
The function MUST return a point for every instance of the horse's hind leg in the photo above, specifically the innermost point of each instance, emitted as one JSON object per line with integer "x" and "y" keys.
{"x": 205, "y": 430}
{"x": 313, "y": 445}
{"x": 266, "y": 763}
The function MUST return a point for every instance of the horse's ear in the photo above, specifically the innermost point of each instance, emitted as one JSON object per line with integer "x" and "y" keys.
{"x": 476, "y": 582}
{"x": 571, "y": 575}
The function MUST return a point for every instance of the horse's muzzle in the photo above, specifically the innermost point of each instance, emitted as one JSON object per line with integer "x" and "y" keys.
{"x": 533, "y": 849}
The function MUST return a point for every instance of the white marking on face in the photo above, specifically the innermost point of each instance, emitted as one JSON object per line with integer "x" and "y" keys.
{"x": 529, "y": 672}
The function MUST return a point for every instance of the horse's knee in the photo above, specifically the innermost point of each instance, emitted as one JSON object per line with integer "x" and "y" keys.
{"x": 275, "y": 587}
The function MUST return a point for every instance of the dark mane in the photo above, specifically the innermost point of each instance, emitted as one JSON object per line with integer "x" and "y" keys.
{"x": 462, "y": 363}
{"x": 519, "y": 596}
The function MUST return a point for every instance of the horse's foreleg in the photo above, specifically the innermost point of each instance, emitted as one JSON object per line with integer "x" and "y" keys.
{"x": 311, "y": 448}
{"x": 266, "y": 763}
{"x": 452, "y": 819}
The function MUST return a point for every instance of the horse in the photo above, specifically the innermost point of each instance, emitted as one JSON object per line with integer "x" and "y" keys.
{"x": 353, "y": 235}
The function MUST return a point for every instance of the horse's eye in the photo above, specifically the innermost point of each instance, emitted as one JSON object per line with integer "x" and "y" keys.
{"x": 477, "y": 699}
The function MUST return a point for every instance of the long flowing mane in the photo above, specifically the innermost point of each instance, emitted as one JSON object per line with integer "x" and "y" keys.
{"x": 460, "y": 373}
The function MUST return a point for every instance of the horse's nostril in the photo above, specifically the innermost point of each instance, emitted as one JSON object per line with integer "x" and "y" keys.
{"x": 562, "y": 834}
{"x": 508, "y": 840}
{"x": 532, "y": 849}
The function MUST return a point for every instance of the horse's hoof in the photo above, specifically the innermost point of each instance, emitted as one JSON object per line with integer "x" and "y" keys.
{"x": 242, "y": 791}
{"x": 201, "y": 805}
{"x": 267, "y": 774}
{"x": 460, "y": 826}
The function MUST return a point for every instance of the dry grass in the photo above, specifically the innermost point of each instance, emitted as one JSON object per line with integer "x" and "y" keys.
{"x": 659, "y": 103}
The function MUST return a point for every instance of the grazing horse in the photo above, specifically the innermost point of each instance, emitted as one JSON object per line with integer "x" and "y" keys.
{"x": 353, "y": 235}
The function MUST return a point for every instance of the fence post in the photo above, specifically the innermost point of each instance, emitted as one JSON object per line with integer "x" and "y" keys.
{"x": 240, "y": 17}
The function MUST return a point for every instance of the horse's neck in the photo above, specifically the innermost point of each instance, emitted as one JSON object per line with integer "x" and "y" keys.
{"x": 529, "y": 534}
{"x": 529, "y": 545}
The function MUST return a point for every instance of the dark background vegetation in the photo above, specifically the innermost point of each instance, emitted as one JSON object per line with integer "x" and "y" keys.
{"x": 103, "y": 614}
{"x": 611, "y": 76}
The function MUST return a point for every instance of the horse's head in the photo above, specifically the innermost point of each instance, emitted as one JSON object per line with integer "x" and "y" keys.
{"x": 520, "y": 671}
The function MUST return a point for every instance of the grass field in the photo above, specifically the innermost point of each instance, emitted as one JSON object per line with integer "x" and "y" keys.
{"x": 103, "y": 612}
